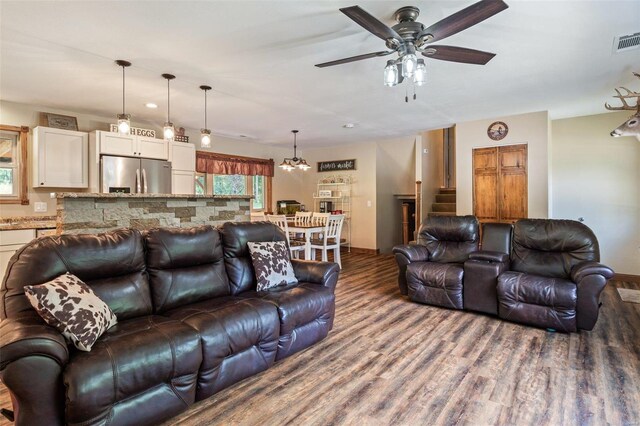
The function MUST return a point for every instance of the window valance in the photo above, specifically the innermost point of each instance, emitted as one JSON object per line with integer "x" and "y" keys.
{"x": 224, "y": 164}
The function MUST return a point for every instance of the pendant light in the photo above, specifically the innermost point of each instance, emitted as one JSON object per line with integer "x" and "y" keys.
{"x": 124, "y": 119}
{"x": 169, "y": 131}
{"x": 290, "y": 164}
{"x": 205, "y": 134}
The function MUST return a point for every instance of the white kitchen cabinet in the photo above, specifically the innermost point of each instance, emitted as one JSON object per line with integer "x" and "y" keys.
{"x": 182, "y": 156}
{"x": 131, "y": 146}
{"x": 60, "y": 158}
{"x": 183, "y": 182}
{"x": 10, "y": 242}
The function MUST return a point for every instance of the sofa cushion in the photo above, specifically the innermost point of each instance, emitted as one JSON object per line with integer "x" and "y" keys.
{"x": 141, "y": 371}
{"x": 541, "y": 301}
{"x": 237, "y": 259}
{"x": 551, "y": 247}
{"x": 437, "y": 284}
{"x": 112, "y": 264}
{"x": 239, "y": 339}
{"x": 185, "y": 266}
{"x": 305, "y": 312}
{"x": 70, "y": 306}
{"x": 449, "y": 239}
{"x": 271, "y": 264}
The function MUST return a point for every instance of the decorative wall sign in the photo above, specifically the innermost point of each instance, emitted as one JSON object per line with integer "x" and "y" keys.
{"x": 337, "y": 165}
{"x": 59, "y": 121}
{"x": 135, "y": 131}
{"x": 497, "y": 130}
{"x": 181, "y": 138}
{"x": 324, "y": 193}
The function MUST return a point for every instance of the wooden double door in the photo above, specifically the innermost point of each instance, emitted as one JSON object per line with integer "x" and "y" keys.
{"x": 500, "y": 183}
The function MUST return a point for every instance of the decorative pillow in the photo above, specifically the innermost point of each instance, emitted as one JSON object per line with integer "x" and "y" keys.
{"x": 70, "y": 306}
{"x": 272, "y": 264}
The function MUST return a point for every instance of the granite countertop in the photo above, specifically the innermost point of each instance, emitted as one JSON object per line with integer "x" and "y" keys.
{"x": 121, "y": 195}
{"x": 27, "y": 222}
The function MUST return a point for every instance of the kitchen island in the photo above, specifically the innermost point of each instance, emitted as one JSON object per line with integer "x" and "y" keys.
{"x": 83, "y": 212}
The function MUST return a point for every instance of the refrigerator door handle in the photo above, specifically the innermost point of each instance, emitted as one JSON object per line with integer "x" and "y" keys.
{"x": 138, "y": 187}
{"x": 144, "y": 180}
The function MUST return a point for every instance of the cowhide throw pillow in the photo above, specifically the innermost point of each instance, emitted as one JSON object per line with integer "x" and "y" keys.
{"x": 70, "y": 306}
{"x": 272, "y": 264}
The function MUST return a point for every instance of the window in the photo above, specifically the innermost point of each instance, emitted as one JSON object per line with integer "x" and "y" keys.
{"x": 201, "y": 184}
{"x": 258, "y": 192}
{"x": 233, "y": 185}
{"x": 13, "y": 165}
{"x": 230, "y": 185}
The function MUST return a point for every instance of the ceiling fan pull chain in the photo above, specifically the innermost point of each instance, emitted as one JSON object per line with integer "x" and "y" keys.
{"x": 406, "y": 95}
{"x": 414, "y": 90}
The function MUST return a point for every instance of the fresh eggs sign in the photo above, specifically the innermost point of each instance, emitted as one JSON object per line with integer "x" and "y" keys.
{"x": 336, "y": 166}
{"x": 136, "y": 131}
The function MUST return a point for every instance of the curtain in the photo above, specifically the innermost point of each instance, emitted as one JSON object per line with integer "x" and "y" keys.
{"x": 223, "y": 164}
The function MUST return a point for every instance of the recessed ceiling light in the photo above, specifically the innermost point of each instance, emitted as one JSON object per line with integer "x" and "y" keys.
{"x": 151, "y": 105}
{"x": 349, "y": 126}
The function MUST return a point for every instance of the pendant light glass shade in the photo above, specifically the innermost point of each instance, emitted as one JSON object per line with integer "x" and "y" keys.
{"x": 205, "y": 133}
{"x": 409, "y": 64}
{"x": 124, "y": 119}
{"x": 420, "y": 76}
{"x": 168, "y": 131}
{"x": 391, "y": 74}
{"x": 205, "y": 138}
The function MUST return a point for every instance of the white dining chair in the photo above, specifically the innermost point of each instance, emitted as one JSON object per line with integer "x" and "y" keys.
{"x": 302, "y": 218}
{"x": 280, "y": 220}
{"x": 257, "y": 216}
{"x": 319, "y": 219}
{"x": 331, "y": 240}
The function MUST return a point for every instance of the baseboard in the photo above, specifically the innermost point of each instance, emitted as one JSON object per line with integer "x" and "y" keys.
{"x": 627, "y": 277}
{"x": 359, "y": 250}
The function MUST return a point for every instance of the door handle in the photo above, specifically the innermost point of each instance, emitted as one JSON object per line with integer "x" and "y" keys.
{"x": 144, "y": 180}
{"x": 138, "y": 187}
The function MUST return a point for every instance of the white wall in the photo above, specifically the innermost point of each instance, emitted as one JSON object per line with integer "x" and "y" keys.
{"x": 432, "y": 142}
{"x": 532, "y": 129}
{"x": 597, "y": 177}
{"x": 16, "y": 114}
{"x": 395, "y": 165}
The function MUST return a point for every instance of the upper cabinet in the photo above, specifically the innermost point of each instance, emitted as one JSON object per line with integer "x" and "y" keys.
{"x": 60, "y": 158}
{"x": 182, "y": 156}
{"x": 131, "y": 146}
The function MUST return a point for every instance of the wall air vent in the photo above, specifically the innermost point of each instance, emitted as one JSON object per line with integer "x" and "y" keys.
{"x": 626, "y": 42}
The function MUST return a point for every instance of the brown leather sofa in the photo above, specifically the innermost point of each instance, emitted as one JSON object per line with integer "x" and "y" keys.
{"x": 190, "y": 322}
{"x": 540, "y": 272}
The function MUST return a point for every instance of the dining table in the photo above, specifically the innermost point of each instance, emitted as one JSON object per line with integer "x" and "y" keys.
{"x": 307, "y": 230}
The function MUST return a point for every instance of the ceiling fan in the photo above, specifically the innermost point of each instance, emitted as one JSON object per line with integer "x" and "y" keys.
{"x": 409, "y": 36}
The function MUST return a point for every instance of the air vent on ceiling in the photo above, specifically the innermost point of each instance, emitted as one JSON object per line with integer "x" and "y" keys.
{"x": 626, "y": 42}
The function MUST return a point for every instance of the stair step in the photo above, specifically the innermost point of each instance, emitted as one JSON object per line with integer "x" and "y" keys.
{"x": 447, "y": 190}
{"x": 442, "y": 213}
{"x": 445, "y": 198}
{"x": 443, "y": 207}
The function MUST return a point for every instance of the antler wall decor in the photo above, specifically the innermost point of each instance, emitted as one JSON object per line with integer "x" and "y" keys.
{"x": 631, "y": 127}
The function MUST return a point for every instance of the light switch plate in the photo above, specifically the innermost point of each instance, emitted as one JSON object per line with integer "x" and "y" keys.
{"x": 39, "y": 207}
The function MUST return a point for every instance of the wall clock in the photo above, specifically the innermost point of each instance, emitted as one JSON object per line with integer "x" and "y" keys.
{"x": 497, "y": 130}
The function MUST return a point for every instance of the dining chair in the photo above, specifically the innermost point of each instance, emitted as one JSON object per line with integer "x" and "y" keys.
{"x": 319, "y": 219}
{"x": 257, "y": 216}
{"x": 302, "y": 218}
{"x": 280, "y": 220}
{"x": 331, "y": 240}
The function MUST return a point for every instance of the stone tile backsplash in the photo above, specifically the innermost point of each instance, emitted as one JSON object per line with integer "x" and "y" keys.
{"x": 100, "y": 214}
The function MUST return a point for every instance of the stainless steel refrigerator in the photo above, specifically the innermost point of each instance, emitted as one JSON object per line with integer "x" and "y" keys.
{"x": 135, "y": 175}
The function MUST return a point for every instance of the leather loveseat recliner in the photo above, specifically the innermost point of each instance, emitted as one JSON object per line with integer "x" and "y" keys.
{"x": 540, "y": 272}
{"x": 190, "y": 322}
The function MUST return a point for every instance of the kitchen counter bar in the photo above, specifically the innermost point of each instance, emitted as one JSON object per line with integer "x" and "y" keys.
{"x": 60, "y": 195}
{"x": 27, "y": 222}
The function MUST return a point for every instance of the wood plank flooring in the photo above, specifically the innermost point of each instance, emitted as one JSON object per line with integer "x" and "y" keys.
{"x": 390, "y": 361}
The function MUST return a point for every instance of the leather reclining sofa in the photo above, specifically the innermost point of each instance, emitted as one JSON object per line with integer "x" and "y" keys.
{"x": 540, "y": 272}
{"x": 190, "y": 322}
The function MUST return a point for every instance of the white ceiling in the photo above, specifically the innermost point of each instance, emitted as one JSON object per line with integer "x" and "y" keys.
{"x": 259, "y": 57}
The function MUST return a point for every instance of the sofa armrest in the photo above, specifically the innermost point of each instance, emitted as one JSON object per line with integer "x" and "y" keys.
{"x": 28, "y": 335}
{"x": 413, "y": 252}
{"x": 323, "y": 273}
{"x": 489, "y": 256}
{"x": 583, "y": 269}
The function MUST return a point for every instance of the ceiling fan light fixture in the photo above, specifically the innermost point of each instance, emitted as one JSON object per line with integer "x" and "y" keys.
{"x": 409, "y": 65}
{"x": 420, "y": 76}
{"x": 124, "y": 119}
{"x": 391, "y": 74}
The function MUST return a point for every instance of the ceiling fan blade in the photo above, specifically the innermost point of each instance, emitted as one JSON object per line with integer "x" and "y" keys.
{"x": 370, "y": 23}
{"x": 464, "y": 19}
{"x": 458, "y": 54}
{"x": 355, "y": 58}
